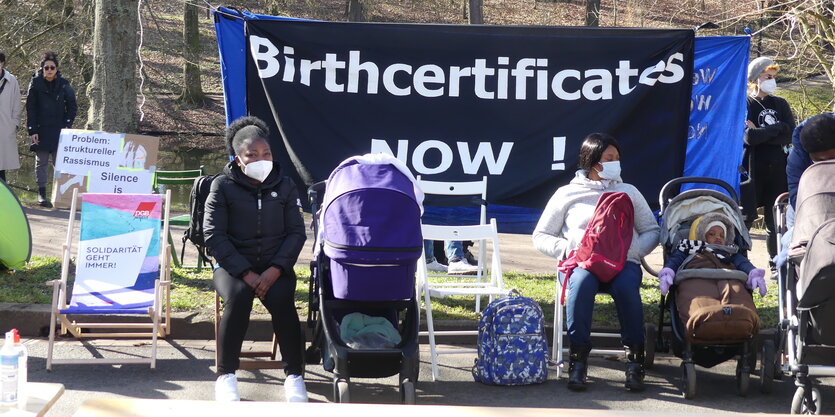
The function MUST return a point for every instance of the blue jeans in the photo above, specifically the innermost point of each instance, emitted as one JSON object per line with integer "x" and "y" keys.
{"x": 454, "y": 250}
{"x": 624, "y": 289}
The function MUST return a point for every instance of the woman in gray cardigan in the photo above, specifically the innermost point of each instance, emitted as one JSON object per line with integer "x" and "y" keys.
{"x": 560, "y": 230}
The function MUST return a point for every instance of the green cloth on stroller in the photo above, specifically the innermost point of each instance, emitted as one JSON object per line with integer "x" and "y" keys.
{"x": 368, "y": 331}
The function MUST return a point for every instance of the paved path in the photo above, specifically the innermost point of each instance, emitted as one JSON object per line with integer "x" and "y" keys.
{"x": 185, "y": 370}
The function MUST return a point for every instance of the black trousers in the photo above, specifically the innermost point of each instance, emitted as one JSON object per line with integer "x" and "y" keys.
{"x": 237, "y": 305}
{"x": 769, "y": 181}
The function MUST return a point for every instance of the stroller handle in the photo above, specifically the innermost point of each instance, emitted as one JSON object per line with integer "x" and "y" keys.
{"x": 672, "y": 187}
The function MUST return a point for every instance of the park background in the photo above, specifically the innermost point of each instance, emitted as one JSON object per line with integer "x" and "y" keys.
{"x": 177, "y": 95}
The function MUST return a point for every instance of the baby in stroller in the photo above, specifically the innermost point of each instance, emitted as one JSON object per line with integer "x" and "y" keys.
{"x": 698, "y": 299}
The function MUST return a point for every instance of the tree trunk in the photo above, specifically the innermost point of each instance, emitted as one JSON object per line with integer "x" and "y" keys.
{"x": 192, "y": 90}
{"x": 593, "y": 13}
{"x": 476, "y": 12}
{"x": 356, "y": 11}
{"x": 112, "y": 90}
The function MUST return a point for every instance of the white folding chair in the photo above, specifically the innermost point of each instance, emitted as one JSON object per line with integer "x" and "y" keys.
{"x": 459, "y": 285}
{"x": 122, "y": 269}
{"x": 477, "y": 190}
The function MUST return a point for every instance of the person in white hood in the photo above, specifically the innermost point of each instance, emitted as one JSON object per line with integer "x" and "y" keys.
{"x": 559, "y": 231}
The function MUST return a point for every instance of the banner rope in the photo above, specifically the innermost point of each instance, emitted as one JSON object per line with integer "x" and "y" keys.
{"x": 141, "y": 64}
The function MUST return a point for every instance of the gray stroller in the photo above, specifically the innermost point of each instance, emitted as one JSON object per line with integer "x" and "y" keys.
{"x": 807, "y": 288}
{"x": 678, "y": 212}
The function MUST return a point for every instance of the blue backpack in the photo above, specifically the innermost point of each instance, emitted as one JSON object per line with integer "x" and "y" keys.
{"x": 512, "y": 347}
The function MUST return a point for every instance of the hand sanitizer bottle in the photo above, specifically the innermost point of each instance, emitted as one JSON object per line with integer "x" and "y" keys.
{"x": 22, "y": 366}
{"x": 8, "y": 372}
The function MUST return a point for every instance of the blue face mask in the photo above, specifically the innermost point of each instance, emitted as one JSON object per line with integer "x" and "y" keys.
{"x": 610, "y": 171}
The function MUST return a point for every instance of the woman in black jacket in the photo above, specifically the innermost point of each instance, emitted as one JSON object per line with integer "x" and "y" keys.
{"x": 254, "y": 229}
{"x": 768, "y": 130}
{"x": 50, "y": 107}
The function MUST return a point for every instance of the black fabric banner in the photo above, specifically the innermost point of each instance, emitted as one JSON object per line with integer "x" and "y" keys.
{"x": 459, "y": 102}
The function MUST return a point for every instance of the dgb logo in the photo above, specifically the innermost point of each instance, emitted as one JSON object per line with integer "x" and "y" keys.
{"x": 144, "y": 209}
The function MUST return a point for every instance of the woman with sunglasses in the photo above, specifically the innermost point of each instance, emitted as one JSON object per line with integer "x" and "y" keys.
{"x": 50, "y": 107}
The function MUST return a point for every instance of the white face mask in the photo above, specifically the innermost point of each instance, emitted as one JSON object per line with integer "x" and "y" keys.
{"x": 610, "y": 171}
{"x": 258, "y": 170}
{"x": 768, "y": 86}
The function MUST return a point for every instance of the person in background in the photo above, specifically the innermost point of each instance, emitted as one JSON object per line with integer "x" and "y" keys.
{"x": 560, "y": 230}
{"x": 9, "y": 119}
{"x": 768, "y": 130}
{"x": 50, "y": 107}
{"x": 454, "y": 250}
{"x": 254, "y": 229}
{"x": 821, "y": 136}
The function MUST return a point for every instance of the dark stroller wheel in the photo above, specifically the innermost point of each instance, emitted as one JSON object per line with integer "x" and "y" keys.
{"x": 743, "y": 377}
{"x": 688, "y": 380}
{"x": 806, "y": 403}
{"x": 767, "y": 365}
{"x": 650, "y": 339}
{"x": 407, "y": 392}
{"x": 312, "y": 355}
{"x": 341, "y": 392}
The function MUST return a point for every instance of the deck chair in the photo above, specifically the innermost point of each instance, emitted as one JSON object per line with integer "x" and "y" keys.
{"x": 184, "y": 177}
{"x": 471, "y": 193}
{"x": 459, "y": 285}
{"x": 122, "y": 269}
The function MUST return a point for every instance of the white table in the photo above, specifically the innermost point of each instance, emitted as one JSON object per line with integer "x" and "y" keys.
{"x": 39, "y": 397}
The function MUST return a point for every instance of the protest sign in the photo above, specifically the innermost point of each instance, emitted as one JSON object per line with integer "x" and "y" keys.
{"x": 118, "y": 251}
{"x": 103, "y": 162}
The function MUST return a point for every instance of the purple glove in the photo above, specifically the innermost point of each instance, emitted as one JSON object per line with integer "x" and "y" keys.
{"x": 756, "y": 279}
{"x": 665, "y": 276}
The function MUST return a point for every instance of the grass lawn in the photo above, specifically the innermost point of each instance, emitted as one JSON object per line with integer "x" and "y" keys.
{"x": 808, "y": 101}
{"x": 192, "y": 291}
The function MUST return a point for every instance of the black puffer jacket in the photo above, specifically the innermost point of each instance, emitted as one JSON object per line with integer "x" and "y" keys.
{"x": 253, "y": 227}
{"x": 50, "y": 107}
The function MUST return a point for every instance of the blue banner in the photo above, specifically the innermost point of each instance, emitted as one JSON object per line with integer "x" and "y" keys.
{"x": 718, "y": 109}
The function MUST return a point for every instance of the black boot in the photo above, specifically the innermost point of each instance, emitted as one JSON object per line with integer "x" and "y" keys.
{"x": 635, "y": 368}
{"x": 578, "y": 366}
{"x": 42, "y": 200}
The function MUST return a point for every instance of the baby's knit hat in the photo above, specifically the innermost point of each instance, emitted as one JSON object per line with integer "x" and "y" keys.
{"x": 704, "y": 223}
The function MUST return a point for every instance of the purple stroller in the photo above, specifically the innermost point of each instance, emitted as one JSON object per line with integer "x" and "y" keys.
{"x": 368, "y": 244}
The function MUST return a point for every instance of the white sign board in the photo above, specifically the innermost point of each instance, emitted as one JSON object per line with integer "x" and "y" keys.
{"x": 82, "y": 151}
{"x": 120, "y": 182}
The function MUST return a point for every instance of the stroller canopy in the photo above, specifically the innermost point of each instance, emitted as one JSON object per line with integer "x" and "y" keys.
{"x": 371, "y": 213}
{"x": 687, "y": 206}
{"x": 815, "y": 204}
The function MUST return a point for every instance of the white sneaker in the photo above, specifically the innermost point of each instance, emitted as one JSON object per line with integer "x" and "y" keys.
{"x": 226, "y": 388}
{"x": 462, "y": 267}
{"x": 436, "y": 266}
{"x": 294, "y": 389}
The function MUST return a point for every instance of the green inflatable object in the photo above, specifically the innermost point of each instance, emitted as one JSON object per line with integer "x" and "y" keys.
{"x": 15, "y": 235}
